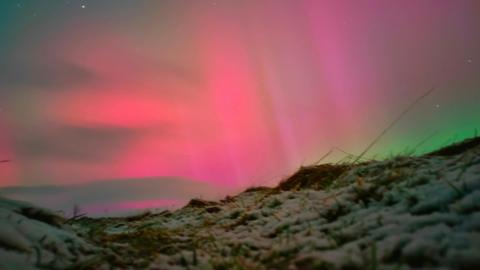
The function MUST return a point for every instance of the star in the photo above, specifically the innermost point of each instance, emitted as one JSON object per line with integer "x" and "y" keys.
{"x": 83, "y": 6}
{"x": 469, "y": 61}
{"x": 437, "y": 106}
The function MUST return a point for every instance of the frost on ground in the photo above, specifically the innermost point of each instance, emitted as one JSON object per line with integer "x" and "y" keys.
{"x": 33, "y": 238}
{"x": 400, "y": 213}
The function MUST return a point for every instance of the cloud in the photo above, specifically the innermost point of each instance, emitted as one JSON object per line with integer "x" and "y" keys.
{"x": 88, "y": 144}
{"x": 99, "y": 196}
{"x": 42, "y": 73}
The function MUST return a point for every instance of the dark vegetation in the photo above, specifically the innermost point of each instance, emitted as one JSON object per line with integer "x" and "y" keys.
{"x": 457, "y": 148}
{"x": 314, "y": 177}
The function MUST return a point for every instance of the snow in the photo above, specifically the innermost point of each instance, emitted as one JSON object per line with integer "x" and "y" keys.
{"x": 29, "y": 243}
{"x": 401, "y": 213}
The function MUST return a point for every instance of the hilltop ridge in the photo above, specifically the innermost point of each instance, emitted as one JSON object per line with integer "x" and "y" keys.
{"x": 406, "y": 212}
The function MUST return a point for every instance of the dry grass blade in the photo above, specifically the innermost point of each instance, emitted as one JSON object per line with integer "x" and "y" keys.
{"x": 324, "y": 157}
{"x": 347, "y": 155}
{"x": 393, "y": 123}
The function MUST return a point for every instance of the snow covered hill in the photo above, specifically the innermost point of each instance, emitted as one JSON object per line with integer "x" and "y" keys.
{"x": 401, "y": 213}
{"x": 36, "y": 238}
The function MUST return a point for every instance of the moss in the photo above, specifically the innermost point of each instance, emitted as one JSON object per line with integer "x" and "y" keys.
{"x": 310, "y": 263}
{"x": 456, "y": 148}
{"x": 339, "y": 237}
{"x": 275, "y": 203}
{"x": 389, "y": 199}
{"x": 367, "y": 194}
{"x": 139, "y": 216}
{"x": 235, "y": 214}
{"x": 42, "y": 215}
{"x": 412, "y": 200}
{"x": 258, "y": 189}
{"x": 243, "y": 220}
{"x": 279, "y": 230}
{"x": 280, "y": 259}
{"x": 213, "y": 209}
{"x": 335, "y": 212}
{"x": 136, "y": 249}
{"x": 199, "y": 203}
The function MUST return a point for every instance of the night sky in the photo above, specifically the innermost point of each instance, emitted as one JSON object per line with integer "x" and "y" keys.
{"x": 228, "y": 93}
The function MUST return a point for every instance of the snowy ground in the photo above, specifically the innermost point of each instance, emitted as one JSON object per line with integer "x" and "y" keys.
{"x": 32, "y": 238}
{"x": 401, "y": 213}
